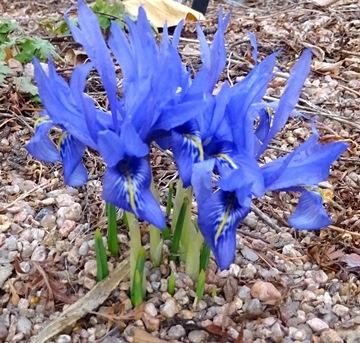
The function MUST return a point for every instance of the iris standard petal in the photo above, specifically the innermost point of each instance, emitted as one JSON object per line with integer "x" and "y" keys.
{"x": 78, "y": 80}
{"x": 127, "y": 185}
{"x": 71, "y": 152}
{"x": 310, "y": 213}
{"x": 122, "y": 51}
{"x": 290, "y": 97}
{"x": 188, "y": 150}
{"x": 218, "y": 218}
{"x": 254, "y": 46}
{"x": 242, "y": 96}
{"x": 89, "y": 35}
{"x": 41, "y": 146}
{"x": 213, "y": 57}
{"x": 263, "y": 128}
{"x": 59, "y": 102}
{"x": 177, "y": 34}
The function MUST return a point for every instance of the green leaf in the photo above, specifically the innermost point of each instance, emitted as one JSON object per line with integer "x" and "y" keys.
{"x": 106, "y": 12}
{"x": 156, "y": 244}
{"x": 4, "y": 71}
{"x": 204, "y": 256}
{"x": 113, "y": 245}
{"x": 6, "y": 28}
{"x": 34, "y": 46}
{"x": 175, "y": 244}
{"x": 171, "y": 284}
{"x": 101, "y": 259}
{"x": 25, "y": 86}
{"x": 200, "y": 286}
{"x": 169, "y": 199}
{"x": 137, "y": 293}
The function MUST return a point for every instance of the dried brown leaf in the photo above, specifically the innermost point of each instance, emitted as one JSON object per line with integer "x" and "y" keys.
{"x": 230, "y": 289}
{"x": 14, "y": 298}
{"x": 352, "y": 260}
{"x": 141, "y": 336}
{"x": 324, "y": 67}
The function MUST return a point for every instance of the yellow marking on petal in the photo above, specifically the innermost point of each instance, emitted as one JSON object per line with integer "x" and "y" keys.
{"x": 326, "y": 194}
{"x": 268, "y": 110}
{"x": 223, "y": 222}
{"x": 227, "y": 159}
{"x": 131, "y": 192}
{"x": 61, "y": 139}
{"x": 198, "y": 144}
{"x": 39, "y": 120}
{"x": 178, "y": 90}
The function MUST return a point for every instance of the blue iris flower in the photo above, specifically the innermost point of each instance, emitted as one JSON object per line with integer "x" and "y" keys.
{"x": 156, "y": 98}
{"x": 187, "y": 139}
{"x": 234, "y": 148}
{"x": 220, "y": 136}
{"x": 61, "y": 103}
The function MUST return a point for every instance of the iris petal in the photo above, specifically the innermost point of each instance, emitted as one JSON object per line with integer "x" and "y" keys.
{"x": 40, "y": 145}
{"x": 218, "y": 219}
{"x": 242, "y": 96}
{"x": 60, "y": 104}
{"x": 254, "y": 45}
{"x": 309, "y": 164}
{"x": 247, "y": 176}
{"x": 89, "y": 35}
{"x": 132, "y": 142}
{"x": 127, "y": 185}
{"x": 110, "y": 147}
{"x": 188, "y": 150}
{"x": 71, "y": 151}
{"x": 213, "y": 57}
{"x": 290, "y": 97}
{"x": 201, "y": 180}
{"x": 310, "y": 213}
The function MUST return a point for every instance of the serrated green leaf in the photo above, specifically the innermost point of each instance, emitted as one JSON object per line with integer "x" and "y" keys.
{"x": 4, "y": 71}
{"x": 6, "y": 28}
{"x": 106, "y": 12}
{"x": 35, "y": 46}
{"x": 25, "y": 86}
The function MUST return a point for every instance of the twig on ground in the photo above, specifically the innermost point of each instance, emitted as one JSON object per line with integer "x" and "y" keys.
{"x": 23, "y": 196}
{"x": 93, "y": 299}
{"x": 266, "y": 218}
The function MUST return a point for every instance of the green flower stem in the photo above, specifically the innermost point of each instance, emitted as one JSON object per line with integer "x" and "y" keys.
{"x": 137, "y": 291}
{"x": 113, "y": 245}
{"x": 101, "y": 259}
{"x": 155, "y": 246}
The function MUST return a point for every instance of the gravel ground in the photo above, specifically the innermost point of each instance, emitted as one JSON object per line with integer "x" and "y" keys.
{"x": 284, "y": 286}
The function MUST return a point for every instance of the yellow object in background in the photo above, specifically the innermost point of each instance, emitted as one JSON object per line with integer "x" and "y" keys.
{"x": 159, "y": 11}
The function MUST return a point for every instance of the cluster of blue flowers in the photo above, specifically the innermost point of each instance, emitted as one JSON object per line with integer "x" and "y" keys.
{"x": 222, "y": 134}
